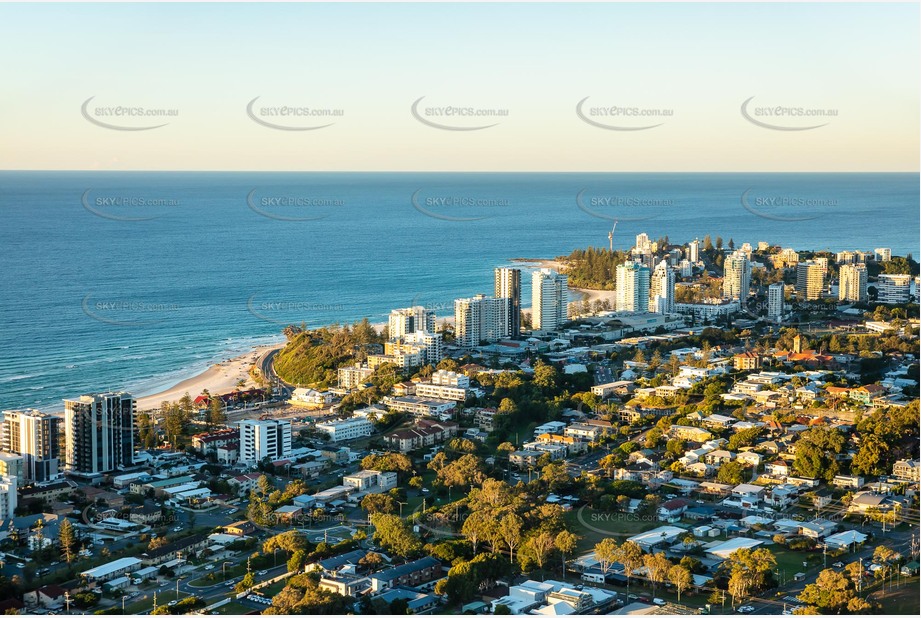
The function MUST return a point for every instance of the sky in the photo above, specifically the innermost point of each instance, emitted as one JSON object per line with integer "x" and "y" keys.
{"x": 662, "y": 86}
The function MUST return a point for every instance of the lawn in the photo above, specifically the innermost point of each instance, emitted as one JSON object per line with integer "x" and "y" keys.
{"x": 234, "y": 607}
{"x": 616, "y": 525}
{"x": 790, "y": 562}
{"x": 902, "y": 599}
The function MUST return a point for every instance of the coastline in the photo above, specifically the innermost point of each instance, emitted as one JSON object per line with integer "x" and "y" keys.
{"x": 220, "y": 377}
{"x": 586, "y": 294}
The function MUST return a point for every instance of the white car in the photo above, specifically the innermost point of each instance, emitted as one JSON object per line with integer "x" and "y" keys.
{"x": 658, "y": 601}
{"x": 262, "y": 573}
{"x": 171, "y": 603}
{"x": 20, "y": 565}
{"x": 746, "y": 609}
{"x": 209, "y": 567}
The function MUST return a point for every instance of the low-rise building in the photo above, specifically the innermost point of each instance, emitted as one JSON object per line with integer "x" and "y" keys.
{"x": 347, "y": 429}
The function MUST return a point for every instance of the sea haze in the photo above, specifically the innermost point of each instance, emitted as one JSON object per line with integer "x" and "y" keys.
{"x": 124, "y": 280}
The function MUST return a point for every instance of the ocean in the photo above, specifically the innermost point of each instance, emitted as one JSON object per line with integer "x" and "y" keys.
{"x": 135, "y": 280}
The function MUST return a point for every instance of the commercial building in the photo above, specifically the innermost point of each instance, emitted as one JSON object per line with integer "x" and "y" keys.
{"x": 37, "y": 437}
{"x": 347, "y": 429}
{"x": 631, "y": 287}
{"x": 662, "y": 289}
{"x": 99, "y": 433}
{"x": 549, "y": 299}
{"x": 508, "y": 285}
{"x": 261, "y": 439}
{"x": 893, "y": 289}
{"x": 810, "y": 280}
{"x": 852, "y": 283}
{"x": 480, "y": 319}
{"x": 737, "y": 276}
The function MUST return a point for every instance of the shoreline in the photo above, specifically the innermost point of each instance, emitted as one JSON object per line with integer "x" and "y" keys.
{"x": 586, "y": 294}
{"x": 219, "y": 378}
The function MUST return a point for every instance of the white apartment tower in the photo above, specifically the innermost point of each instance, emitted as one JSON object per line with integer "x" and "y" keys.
{"x": 893, "y": 289}
{"x": 883, "y": 254}
{"x": 775, "y": 301}
{"x": 99, "y": 433}
{"x": 694, "y": 251}
{"x": 852, "y": 283}
{"x": 480, "y": 318}
{"x": 508, "y": 285}
{"x": 549, "y": 299}
{"x": 737, "y": 276}
{"x": 264, "y": 438}
{"x": 662, "y": 289}
{"x": 37, "y": 437}
{"x": 410, "y": 320}
{"x": 632, "y": 287}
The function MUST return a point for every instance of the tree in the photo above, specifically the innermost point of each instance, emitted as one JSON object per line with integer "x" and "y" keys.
{"x": 395, "y": 534}
{"x": 246, "y": 583}
{"x": 539, "y": 547}
{"x": 467, "y": 470}
{"x": 217, "y": 417}
{"x": 680, "y": 577}
{"x": 831, "y": 593}
{"x": 68, "y": 539}
{"x": 872, "y": 457}
{"x": 606, "y": 553}
{"x": 565, "y": 543}
{"x": 379, "y": 503}
{"x": 732, "y": 473}
{"x": 816, "y": 452}
{"x": 657, "y": 568}
{"x": 631, "y": 556}
{"x": 510, "y": 532}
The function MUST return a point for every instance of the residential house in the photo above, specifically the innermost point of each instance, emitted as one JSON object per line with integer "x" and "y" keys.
{"x": 410, "y": 574}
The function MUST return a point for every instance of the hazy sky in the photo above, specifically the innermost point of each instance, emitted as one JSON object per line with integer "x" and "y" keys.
{"x": 693, "y": 65}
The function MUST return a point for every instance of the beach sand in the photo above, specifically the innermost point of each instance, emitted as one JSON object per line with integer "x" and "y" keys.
{"x": 220, "y": 378}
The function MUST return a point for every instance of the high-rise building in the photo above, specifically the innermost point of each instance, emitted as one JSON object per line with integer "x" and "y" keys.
{"x": 845, "y": 257}
{"x": 662, "y": 289}
{"x": 893, "y": 289}
{"x": 810, "y": 280}
{"x": 694, "y": 251}
{"x": 409, "y": 320}
{"x": 883, "y": 254}
{"x": 479, "y": 319}
{"x": 823, "y": 262}
{"x": 643, "y": 244}
{"x": 549, "y": 299}
{"x": 631, "y": 287}
{"x": 737, "y": 276}
{"x": 99, "y": 433}
{"x": 260, "y": 439}
{"x": 37, "y": 437}
{"x": 508, "y": 285}
{"x": 852, "y": 282}
{"x": 775, "y": 301}
{"x": 785, "y": 258}
{"x": 11, "y": 465}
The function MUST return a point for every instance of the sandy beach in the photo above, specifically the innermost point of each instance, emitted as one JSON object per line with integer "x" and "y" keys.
{"x": 219, "y": 378}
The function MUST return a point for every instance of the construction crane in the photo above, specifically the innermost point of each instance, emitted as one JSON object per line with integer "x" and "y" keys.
{"x": 611, "y": 237}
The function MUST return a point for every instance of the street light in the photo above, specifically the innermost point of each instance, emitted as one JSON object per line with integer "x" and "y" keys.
{"x": 275, "y": 556}
{"x": 224, "y": 570}
{"x": 123, "y": 602}
{"x": 177, "y": 588}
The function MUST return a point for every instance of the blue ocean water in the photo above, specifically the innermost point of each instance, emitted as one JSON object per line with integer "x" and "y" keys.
{"x": 135, "y": 280}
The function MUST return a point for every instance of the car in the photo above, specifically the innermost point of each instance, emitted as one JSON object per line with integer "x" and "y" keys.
{"x": 262, "y": 573}
{"x": 632, "y": 597}
{"x": 787, "y": 612}
{"x": 209, "y": 567}
{"x": 55, "y": 563}
{"x": 838, "y": 565}
{"x": 658, "y": 601}
{"x": 746, "y": 609}
{"x": 172, "y": 603}
{"x": 20, "y": 565}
